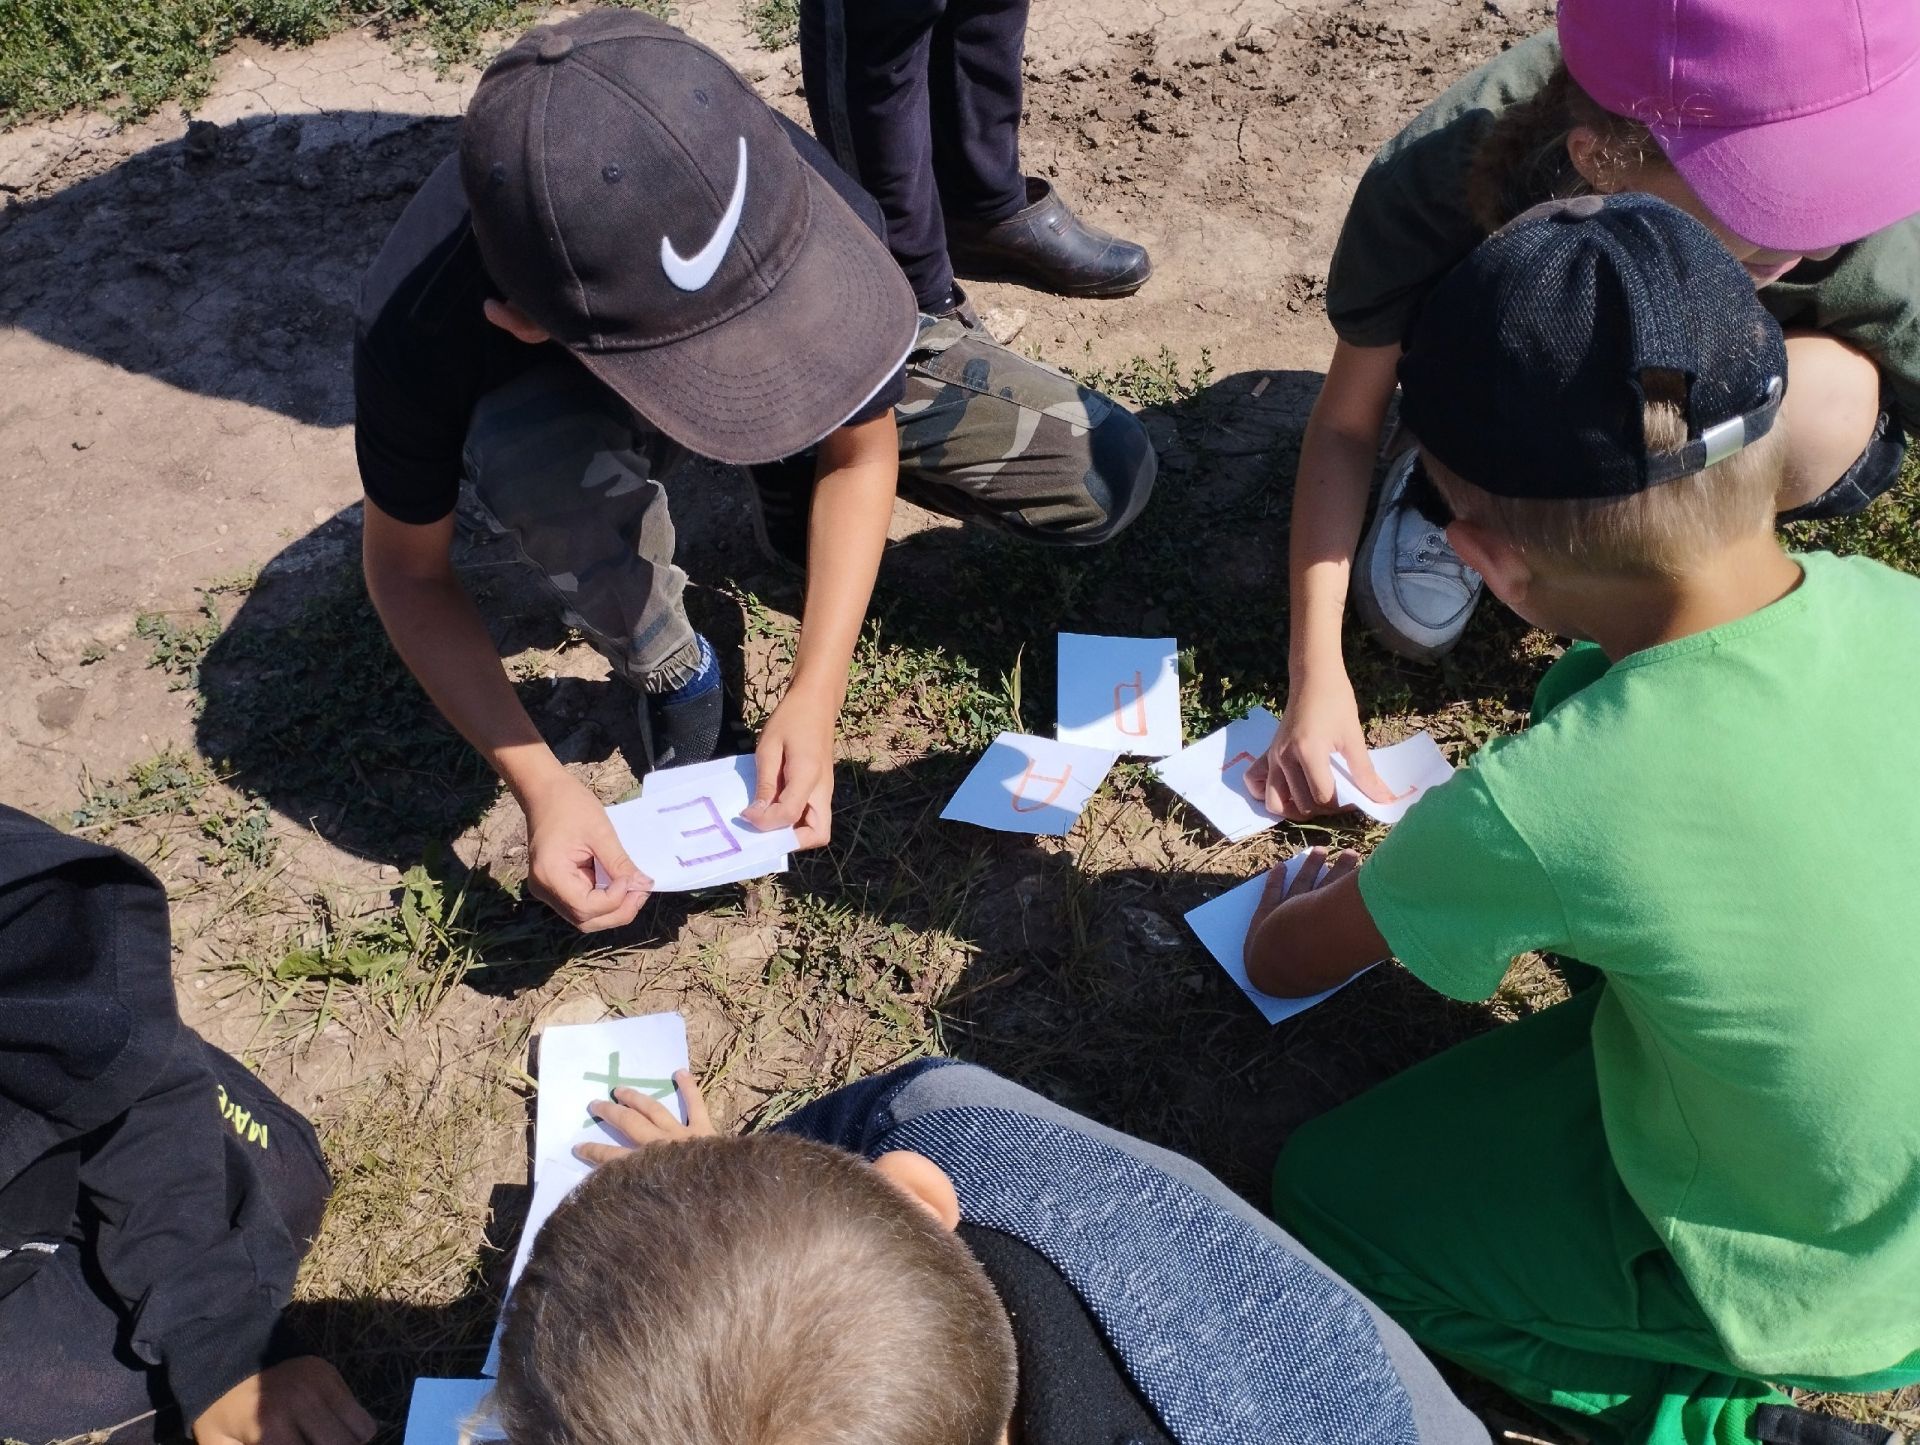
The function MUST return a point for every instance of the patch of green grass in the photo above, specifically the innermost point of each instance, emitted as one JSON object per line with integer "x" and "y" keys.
{"x": 179, "y": 647}
{"x": 774, "y": 23}
{"x": 403, "y": 961}
{"x": 174, "y": 791}
{"x": 168, "y": 782}
{"x": 133, "y": 55}
{"x": 1159, "y": 381}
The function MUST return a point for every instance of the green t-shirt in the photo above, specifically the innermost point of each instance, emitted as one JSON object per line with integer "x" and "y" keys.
{"x": 1410, "y": 223}
{"x": 1728, "y": 827}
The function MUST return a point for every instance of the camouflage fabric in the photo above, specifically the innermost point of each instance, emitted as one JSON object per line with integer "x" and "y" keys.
{"x": 987, "y": 433}
{"x": 561, "y": 465}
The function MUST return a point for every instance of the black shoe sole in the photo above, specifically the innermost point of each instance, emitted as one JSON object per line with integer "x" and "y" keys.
{"x": 1103, "y": 291}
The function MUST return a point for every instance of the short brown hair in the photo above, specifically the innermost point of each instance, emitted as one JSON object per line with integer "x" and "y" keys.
{"x": 1655, "y": 532}
{"x": 766, "y": 1290}
{"x": 1522, "y": 160}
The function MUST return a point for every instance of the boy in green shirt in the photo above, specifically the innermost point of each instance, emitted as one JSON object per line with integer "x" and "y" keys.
{"x": 1703, "y": 1171}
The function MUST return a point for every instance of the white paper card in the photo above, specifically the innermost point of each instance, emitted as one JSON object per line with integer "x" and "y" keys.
{"x": 1029, "y": 785}
{"x": 578, "y": 1064}
{"x": 1120, "y": 694}
{"x": 1212, "y": 775}
{"x": 583, "y": 1062}
{"x": 1222, "y": 925}
{"x": 1407, "y": 768}
{"x": 685, "y": 830}
{"x": 547, "y": 1194}
{"x": 447, "y": 1412}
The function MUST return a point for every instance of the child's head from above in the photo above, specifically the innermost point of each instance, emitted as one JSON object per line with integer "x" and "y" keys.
{"x": 1781, "y": 126}
{"x": 1594, "y": 391}
{"x": 765, "y": 1290}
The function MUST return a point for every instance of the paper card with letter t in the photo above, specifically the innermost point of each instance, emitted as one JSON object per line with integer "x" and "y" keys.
{"x": 1029, "y": 785}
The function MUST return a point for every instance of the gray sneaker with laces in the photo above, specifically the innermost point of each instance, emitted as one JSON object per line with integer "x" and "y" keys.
{"x": 1409, "y": 587}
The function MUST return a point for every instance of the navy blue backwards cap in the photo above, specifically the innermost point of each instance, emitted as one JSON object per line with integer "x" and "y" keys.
{"x": 1522, "y": 372}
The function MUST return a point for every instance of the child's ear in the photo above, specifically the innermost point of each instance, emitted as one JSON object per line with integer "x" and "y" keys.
{"x": 1583, "y": 149}
{"x": 922, "y": 1181}
{"x": 515, "y": 322}
{"x": 1493, "y": 557}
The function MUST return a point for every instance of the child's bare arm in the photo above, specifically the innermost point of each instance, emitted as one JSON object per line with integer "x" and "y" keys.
{"x": 1315, "y": 935}
{"x": 1329, "y": 505}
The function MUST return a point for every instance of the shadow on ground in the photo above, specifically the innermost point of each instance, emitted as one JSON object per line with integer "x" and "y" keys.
{"x": 226, "y": 263}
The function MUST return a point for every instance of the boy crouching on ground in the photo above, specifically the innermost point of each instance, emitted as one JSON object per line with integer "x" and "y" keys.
{"x": 937, "y": 1256}
{"x": 1702, "y": 1172}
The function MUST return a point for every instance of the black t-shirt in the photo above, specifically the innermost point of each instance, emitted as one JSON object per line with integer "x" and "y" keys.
{"x": 425, "y": 353}
{"x": 1073, "y": 1388}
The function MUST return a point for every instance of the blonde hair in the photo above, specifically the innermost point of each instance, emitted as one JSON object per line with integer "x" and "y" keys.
{"x": 1522, "y": 160}
{"x": 1659, "y": 531}
{"x": 767, "y": 1290}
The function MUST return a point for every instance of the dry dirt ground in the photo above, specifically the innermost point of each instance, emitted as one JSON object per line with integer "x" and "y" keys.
{"x": 189, "y": 669}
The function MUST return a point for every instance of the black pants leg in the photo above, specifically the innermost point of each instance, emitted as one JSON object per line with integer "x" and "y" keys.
{"x": 920, "y": 101}
{"x": 973, "y": 75}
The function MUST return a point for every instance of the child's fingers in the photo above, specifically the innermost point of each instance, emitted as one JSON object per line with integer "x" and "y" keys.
{"x": 691, "y": 1099}
{"x": 1344, "y": 862}
{"x": 1308, "y": 878}
{"x": 634, "y": 1116}
{"x": 1353, "y": 752}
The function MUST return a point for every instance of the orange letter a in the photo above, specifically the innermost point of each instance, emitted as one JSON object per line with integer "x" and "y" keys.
{"x": 1020, "y": 788}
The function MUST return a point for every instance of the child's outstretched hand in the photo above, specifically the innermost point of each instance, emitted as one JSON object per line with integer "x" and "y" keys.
{"x": 301, "y": 1401}
{"x": 1295, "y": 778}
{"x": 642, "y": 1119}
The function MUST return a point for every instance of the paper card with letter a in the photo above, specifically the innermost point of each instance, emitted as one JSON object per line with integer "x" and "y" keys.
{"x": 1121, "y": 694}
{"x": 685, "y": 831}
{"x": 1029, "y": 785}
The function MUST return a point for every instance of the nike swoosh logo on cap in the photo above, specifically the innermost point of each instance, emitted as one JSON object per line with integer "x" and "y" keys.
{"x": 691, "y": 273}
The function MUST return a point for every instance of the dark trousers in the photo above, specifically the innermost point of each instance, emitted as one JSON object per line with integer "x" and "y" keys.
{"x": 920, "y": 101}
{"x": 65, "y": 1368}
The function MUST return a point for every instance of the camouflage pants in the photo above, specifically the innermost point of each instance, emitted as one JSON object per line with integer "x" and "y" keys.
{"x": 562, "y": 466}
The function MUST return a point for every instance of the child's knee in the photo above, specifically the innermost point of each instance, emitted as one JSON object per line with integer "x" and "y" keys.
{"x": 1121, "y": 467}
{"x": 1832, "y": 410}
{"x": 1111, "y": 467}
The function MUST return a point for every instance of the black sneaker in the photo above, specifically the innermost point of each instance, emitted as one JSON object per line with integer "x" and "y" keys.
{"x": 1790, "y": 1425}
{"x": 677, "y": 729}
{"x": 782, "y": 510}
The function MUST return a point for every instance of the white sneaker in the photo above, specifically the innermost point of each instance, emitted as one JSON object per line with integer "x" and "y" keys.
{"x": 1409, "y": 586}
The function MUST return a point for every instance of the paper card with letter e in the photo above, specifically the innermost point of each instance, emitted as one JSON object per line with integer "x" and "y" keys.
{"x": 685, "y": 831}
{"x": 1222, "y": 925}
{"x": 1212, "y": 775}
{"x": 1029, "y": 785}
{"x": 1408, "y": 769}
{"x": 1121, "y": 694}
{"x": 448, "y": 1412}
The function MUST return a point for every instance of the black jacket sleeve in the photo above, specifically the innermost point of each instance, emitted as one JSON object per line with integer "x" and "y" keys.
{"x": 186, "y": 1236}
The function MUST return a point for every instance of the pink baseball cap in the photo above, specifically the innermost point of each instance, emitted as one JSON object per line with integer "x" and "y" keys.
{"x": 1796, "y": 121}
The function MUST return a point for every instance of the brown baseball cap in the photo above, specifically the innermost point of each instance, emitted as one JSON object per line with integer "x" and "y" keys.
{"x": 632, "y": 195}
